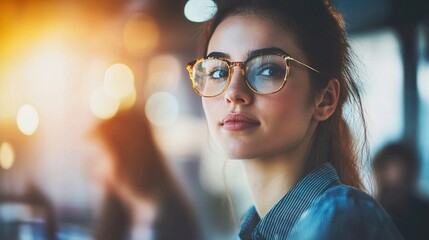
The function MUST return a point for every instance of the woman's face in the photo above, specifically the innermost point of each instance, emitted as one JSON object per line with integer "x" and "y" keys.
{"x": 247, "y": 125}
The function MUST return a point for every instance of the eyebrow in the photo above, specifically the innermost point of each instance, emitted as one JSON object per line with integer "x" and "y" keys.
{"x": 270, "y": 50}
{"x": 218, "y": 55}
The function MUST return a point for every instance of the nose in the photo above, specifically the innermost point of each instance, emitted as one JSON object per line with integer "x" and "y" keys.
{"x": 238, "y": 92}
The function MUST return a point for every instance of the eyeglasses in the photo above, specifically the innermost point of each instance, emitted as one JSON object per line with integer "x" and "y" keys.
{"x": 265, "y": 72}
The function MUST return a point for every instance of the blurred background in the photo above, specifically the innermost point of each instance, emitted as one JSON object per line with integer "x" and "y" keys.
{"x": 66, "y": 65}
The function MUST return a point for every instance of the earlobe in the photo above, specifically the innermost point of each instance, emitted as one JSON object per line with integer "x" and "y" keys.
{"x": 327, "y": 100}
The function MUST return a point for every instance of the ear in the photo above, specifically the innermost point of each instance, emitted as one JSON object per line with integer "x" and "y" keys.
{"x": 326, "y": 101}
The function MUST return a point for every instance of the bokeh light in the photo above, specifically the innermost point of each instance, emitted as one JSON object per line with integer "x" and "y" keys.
{"x": 164, "y": 73}
{"x": 128, "y": 101}
{"x": 27, "y": 119}
{"x": 102, "y": 105}
{"x": 140, "y": 35}
{"x": 7, "y": 155}
{"x": 162, "y": 109}
{"x": 200, "y": 10}
{"x": 118, "y": 81}
{"x": 423, "y": 82}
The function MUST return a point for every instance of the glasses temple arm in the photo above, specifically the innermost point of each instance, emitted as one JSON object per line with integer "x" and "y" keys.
{"x": 305, "y": 65}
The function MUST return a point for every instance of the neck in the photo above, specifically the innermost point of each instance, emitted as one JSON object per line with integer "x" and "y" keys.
{"x": 270, "y": 178}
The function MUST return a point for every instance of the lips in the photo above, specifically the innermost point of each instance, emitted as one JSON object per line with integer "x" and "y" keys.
{"x": 238, "y": 122}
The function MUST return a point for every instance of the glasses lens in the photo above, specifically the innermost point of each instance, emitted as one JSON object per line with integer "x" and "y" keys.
{"x": 267, "y": 73}
{"x": 210, "y": 77}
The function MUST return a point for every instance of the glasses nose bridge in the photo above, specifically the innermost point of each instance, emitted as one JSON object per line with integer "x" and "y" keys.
{"x": 239, "y": 64}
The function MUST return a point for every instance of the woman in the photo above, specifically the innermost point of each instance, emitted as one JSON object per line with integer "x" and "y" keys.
{"x": 142, "y": 200}
{"x": 274, "y": 80}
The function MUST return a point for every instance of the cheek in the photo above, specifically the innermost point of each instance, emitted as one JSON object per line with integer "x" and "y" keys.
{"x": 289, "y": 112}
{"x": 290, "y": 116}
{"x": 210, "y": 107}
{"x": 293, "y": 102}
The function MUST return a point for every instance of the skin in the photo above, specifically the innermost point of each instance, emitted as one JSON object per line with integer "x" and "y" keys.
{"x": 274, "y": 151}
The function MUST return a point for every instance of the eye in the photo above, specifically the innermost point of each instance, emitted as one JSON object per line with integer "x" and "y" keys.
{"x": 272, "y": 71}
{"x": 218, "y": 73}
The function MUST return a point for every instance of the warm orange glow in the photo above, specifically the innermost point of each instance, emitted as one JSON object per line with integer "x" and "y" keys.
{"x": 118, "y": 81}
{"x": 16, "y": 33}
{"x": 165, "y": 61}
{"x": 102, "y": 105}
{"x": 7, "y": 156}
{"x": 41, "y": 74}
{"x": 7, "y": 108}
{"x": 27, "y": 119}
{"x": 141, "y": 35}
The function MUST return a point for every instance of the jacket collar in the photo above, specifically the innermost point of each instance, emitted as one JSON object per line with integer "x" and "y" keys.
{"x": 278, "y": 222}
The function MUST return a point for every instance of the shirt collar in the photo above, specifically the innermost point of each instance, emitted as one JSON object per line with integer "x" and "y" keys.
{"x": 278, "y": 222}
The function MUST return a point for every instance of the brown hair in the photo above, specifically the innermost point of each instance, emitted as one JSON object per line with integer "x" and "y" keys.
{"x": 139, "y": 165}
{"x": 137, "y": 161}
{"x": 320, "y": 32}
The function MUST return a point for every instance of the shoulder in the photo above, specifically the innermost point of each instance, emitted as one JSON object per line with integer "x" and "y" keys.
{"x": 345, "y": 197}
{"x": 346, "y": 205}
{"x": 343, "y": 212}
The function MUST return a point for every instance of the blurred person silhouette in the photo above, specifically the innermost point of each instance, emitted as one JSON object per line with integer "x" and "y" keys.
{"x": 142, "y": 200}
{"x": 396, "y": 171}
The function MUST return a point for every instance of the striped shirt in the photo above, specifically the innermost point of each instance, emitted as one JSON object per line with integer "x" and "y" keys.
{"x": 320, "y": 207}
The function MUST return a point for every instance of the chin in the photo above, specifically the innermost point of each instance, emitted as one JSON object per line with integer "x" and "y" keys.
{"x": 236, "y": 150}
{"x": 233, "y": 154}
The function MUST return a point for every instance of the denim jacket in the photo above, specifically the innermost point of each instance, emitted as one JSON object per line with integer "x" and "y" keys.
{"x": 320, "y": 207}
